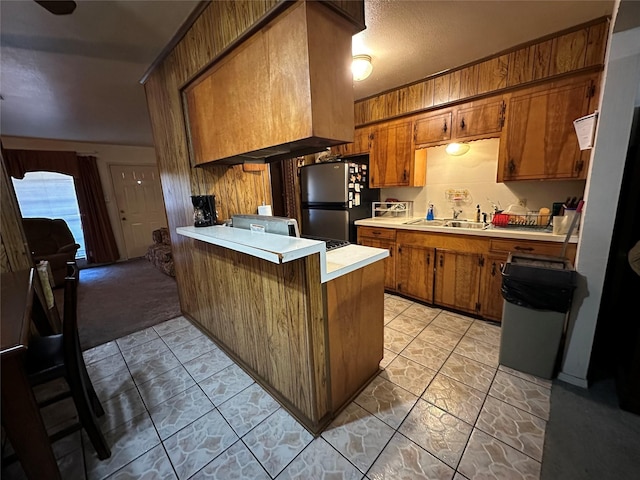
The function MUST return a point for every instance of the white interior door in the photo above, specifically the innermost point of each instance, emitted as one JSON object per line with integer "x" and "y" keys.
{"x": 140, "y": 205}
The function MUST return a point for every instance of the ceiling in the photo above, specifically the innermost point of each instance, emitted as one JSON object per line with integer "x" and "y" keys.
{"x": 77, "y": 77}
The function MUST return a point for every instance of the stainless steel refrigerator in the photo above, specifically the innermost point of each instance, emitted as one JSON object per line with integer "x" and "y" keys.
{"x": 334, "y": 196}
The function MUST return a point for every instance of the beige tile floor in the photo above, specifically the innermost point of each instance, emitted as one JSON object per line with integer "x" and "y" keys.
{"x": 441, "y": 408}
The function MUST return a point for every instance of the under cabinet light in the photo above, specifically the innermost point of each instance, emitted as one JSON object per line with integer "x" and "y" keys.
{"x": 457, "y": 149}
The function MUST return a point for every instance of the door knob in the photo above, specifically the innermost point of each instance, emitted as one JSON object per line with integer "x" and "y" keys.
{"x": 123, "y": 218}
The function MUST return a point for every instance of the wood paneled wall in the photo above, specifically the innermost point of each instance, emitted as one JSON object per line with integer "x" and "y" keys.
{"x": 216, "y": 29}
{"x": 575, "y": 50}
{"x": 14, "y": 251}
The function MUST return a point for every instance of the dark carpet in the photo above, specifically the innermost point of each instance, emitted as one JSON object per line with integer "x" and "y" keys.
{"x": 122, "y": 298}
{"x": 588, "y": 436}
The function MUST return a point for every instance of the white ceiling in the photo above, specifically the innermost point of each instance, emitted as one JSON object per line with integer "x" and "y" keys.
{"x": 77, "y": 77}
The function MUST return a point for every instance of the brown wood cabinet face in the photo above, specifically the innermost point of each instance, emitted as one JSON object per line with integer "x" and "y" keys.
{"x": 355, "y": 324}
{"x": 415, "y": 277}
{"x": 391, "y": 156}
{"x": 360, "y": 146}
{"x": 491, "y": 296}
{"x": 457, "y": 280}
{"x": 227, "y": 117}
{"x": 389, "y": 262}
{"x": 382, "y": 238}
{"x": 553, "y": 249}
{"x": 481, "y": 118}
{"x": 432, "y": 129}
{"x": 539, "y": 140}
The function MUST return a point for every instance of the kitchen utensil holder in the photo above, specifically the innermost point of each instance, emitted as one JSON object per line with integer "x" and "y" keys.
{"x": 392, "y": 209}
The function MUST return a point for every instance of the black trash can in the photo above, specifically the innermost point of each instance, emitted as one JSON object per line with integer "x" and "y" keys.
{"x": 537, "y": 291}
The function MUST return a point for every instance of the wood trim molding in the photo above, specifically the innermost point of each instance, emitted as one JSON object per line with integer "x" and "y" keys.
{"x": 579, "y": 49}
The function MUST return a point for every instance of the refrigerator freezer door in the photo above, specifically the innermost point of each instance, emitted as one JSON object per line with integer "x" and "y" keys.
{"x": 325, "y": 183}
{"x": 325, "y": 223}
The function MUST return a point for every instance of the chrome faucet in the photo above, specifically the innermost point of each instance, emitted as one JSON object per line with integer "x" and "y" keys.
{"x": 456, "y": 213}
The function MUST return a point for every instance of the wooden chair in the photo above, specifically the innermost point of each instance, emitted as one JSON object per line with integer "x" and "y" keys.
{"x": 56, "y": 356}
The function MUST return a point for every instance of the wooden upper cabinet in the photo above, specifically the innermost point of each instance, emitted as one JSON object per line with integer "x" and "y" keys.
{"x": 360, "y": 146}
{"x": 432, "y": 129}
{"x": 480, "y": 119}
{"x": 354, "y": 11}
{"x": 271, "y": 97}
{"x": 392, "y": 160}
{"x": 539, "y": 141}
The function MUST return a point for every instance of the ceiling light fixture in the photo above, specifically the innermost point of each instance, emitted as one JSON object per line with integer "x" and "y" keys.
{"x": 361, "y": 67}
{"x": 457, "y": 149}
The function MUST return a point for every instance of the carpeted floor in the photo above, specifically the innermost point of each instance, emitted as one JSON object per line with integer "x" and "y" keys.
{"x": 115, "y": 300}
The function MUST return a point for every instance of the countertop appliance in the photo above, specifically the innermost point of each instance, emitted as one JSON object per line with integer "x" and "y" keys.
{"x": 267, "y": 224}
{"x": 334, "y": 195}
{"x": 204, "y": 210}
{"x": 280, "y": 226}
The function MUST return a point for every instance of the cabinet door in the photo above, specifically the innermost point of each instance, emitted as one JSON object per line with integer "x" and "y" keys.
{"x": 479, "y": 119}
{"x": 491, "y": 297}
{"x": 539, "y": 141}
{"x": 391, "y": 156}
{"x": 457, "y": 280}
{"x": 432, "y": 129}
{"x": 360, "y": 145}
{"x": 389, "y": 262}
{"x": 415, "y": 272}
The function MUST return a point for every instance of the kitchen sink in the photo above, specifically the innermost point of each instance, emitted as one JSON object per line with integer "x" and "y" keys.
{"x": 446, "y": 222}
{"x": 464, "y": 224}
{"x": 424, "y": 223}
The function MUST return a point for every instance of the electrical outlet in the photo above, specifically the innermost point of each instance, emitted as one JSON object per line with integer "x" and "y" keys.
{"x": 522, "y": 202}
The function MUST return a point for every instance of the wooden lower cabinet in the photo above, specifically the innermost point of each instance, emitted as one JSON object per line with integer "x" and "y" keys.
{"x": 382, "y": 238}
{"x": 459, "y": 272}
{"x": 415, "y": 272}
{"x": 491, "y": 300}
{"x": 457, "y": 280}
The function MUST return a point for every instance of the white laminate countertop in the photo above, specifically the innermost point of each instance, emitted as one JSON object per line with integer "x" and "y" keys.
{"x": 282, "y": 249}
{"x": 495, "y": 232}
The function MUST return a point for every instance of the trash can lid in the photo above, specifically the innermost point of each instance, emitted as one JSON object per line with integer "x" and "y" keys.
{"x": 540, "y": 269}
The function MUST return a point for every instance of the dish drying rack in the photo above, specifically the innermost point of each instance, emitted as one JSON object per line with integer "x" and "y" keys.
{"x": 525, "y": 221}
{"x": 392, "y": 209}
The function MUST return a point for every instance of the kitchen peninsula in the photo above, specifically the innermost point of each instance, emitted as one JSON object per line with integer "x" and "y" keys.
{"x": 305, "y": 323}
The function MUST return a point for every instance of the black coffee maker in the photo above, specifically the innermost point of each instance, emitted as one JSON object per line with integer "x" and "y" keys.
{"x": 204, "y": 210}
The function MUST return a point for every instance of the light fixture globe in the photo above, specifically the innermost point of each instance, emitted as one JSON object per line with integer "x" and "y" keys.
{"x": 361, "y": 67}
{"x": 457, "y": 149}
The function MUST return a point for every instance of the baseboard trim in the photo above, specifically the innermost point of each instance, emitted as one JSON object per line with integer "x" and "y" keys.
{"x": 578, "y": 382}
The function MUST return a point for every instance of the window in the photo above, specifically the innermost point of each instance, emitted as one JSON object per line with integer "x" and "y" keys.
{"x": 51, "y": 195}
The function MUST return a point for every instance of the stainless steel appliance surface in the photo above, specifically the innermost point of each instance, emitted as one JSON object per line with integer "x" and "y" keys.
{"x": 267, "y": 224}
{"x": 334, "y": 195}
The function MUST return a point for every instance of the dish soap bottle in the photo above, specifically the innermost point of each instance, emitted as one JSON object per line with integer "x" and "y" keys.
{"x": 430, "y": 212}
{"x": 478, "y": 213}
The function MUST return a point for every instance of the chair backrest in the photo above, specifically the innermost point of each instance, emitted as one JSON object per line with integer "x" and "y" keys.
{"x": 47, "y": 235}
{"x": 70, "y": 338}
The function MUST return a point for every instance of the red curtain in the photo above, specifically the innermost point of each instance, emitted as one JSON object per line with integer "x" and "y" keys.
{"x": 100, "y": 243}
{"x": 98, "y": 235}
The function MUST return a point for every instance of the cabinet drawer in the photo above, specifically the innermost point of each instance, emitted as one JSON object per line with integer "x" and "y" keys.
{"x": 386, "y": 233}
{"x": 524, "y": 246}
